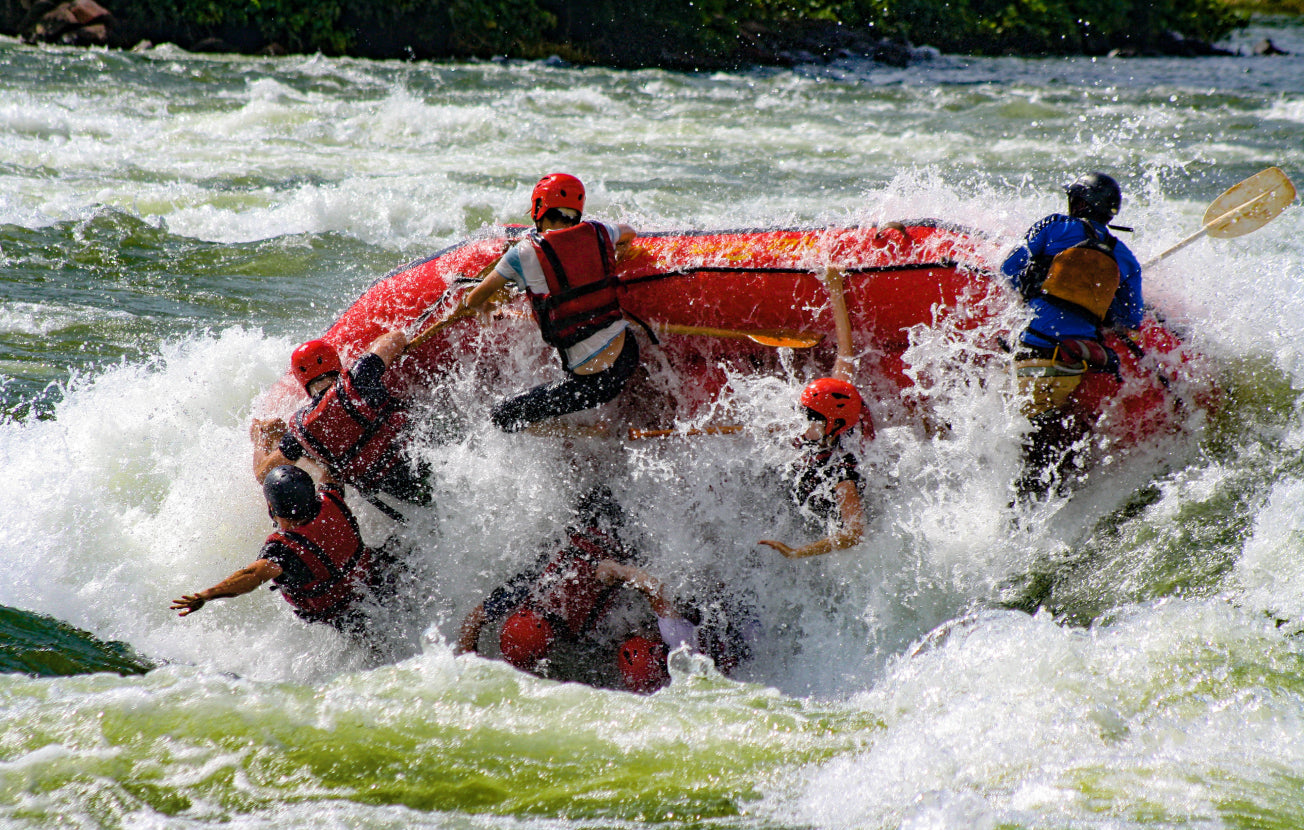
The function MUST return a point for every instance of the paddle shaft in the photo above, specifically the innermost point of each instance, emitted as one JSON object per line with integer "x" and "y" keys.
{"x": 1204, "y": 230}
{"x": 461, "y": 311}
{"x": 391, "y": 512}
{"x": 723, "y": 429}
{"x": 439, "y": 326}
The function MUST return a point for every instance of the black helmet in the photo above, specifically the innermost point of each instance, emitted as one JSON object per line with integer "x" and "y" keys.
{"x": 1099, "y": 194}
{"x": 291, "y": 494}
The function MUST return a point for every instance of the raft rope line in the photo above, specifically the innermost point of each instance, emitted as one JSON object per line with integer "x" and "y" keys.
{"x": 738, "y": 269}
{"x": 743, "y": 269}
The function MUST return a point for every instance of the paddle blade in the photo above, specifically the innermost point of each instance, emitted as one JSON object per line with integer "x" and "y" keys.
{"x": 787, "y": 340}
{"x": 1249, "y": 205}
{"x": 438, "y": 326}
{"x": 777, "y": 338}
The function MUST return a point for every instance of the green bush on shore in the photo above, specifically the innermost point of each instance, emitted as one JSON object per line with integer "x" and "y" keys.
{"x": 1061, "y": 26}
{"x": 673, "y": 33}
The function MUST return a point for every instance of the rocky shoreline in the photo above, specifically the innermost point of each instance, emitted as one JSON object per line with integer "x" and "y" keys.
{"x": 90, "y": 23}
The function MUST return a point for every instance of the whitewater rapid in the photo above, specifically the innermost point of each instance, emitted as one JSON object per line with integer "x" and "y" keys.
{"x": 171, "y": 226}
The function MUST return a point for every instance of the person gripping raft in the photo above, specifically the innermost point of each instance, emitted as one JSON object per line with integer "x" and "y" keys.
{"x": 824, "y": 478}
{"x": 352, "y": 426}
{"x": 567, "y": 269}
{"x": 567, "y": 618}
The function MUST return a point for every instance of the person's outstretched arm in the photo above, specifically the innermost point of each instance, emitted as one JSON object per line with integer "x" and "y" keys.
{"x": 851, "y": 527}
{"x": 468, "y": 637}
{"x": 844, "y": 366}
{"x": 241, "y": 582}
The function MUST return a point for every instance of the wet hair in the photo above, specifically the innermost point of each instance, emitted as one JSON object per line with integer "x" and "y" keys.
{"x": 564, "y": 216}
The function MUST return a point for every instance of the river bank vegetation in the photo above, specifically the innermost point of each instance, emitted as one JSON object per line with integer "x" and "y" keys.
{"x": 681, "y": 34}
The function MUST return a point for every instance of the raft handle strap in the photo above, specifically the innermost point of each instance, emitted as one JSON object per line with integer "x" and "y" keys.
{"x": 651, "y": 335}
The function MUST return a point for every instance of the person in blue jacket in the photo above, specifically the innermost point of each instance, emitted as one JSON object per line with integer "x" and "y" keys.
{"x": 1078, "y": 279}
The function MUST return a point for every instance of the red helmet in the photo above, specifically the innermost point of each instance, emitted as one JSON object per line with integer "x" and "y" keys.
{"x": 837, "y": 400}
{"x": 314, "y": 359}
{"x": 556, "y": 190}
{"x": 642, "y": 664}
{"x": 525, "y": 638}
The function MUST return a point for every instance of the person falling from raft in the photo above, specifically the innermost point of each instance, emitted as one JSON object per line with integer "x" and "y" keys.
{"x": 1076, "y": 278}
{"x": 316, "y": 557}
{"x": 566, "y": 268}
{"x": 566, "y": 618}
{"x": 352, "y": 426}
{"x": 824, "y": 478}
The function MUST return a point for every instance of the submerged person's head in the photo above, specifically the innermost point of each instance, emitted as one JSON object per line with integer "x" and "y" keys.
{"x": 525, "y": 638}
{"x": 642, "y": 664}
{"x": 833, "y": 406}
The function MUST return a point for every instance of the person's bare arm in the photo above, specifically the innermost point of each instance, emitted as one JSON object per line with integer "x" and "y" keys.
{"x": 486, "y": 288}
{"x": 468, "y": 637}
{"x": 241, "y": 582}
{"x": 626, "y": 235}
{"x": 389, "y": 346}
{"x": 265, "y": 435}
{"x": 844, "y": 366}
{"x": 609, "y": 571}
{"x": 851, "y": 527}
{"x": 265, "y": 462}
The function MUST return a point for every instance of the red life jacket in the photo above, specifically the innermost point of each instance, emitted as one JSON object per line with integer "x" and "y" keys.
{"x": 331, "y": 547}
{"x": 578, "y": 264}
{"x": 356, "y": 441}
{"x": 568, "y": 589}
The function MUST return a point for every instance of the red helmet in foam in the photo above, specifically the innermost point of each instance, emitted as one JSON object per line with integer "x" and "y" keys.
{"x": 525, "y": 638}
{"x": 642, "y": 664}
{"x": 836, "y": 400}
{"x": 314, "y": 359}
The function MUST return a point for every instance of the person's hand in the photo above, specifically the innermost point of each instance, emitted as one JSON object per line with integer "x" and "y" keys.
{"x": 266, "y": 433}
{"x": 465, "y": 309}
{"x": 609, "y": 571}
{"x": 188, "y": 604}
{"x": 786, "y": 550}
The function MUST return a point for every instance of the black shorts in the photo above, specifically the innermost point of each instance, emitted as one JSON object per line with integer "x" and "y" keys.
{"x": 573, "y": 394}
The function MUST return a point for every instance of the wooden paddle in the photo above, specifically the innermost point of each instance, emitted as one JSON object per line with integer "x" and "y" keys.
{"x": 440, "y": 325}
{"x": 1241, "y": 209}
{"x": 462, "y": 311}
{"x": 723, "y": 429}
{"x": 459, "y": 313}
{"x": 778, "y": 338}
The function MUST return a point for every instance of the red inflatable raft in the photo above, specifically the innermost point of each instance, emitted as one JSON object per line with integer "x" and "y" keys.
{"x": 722, "y": 301}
